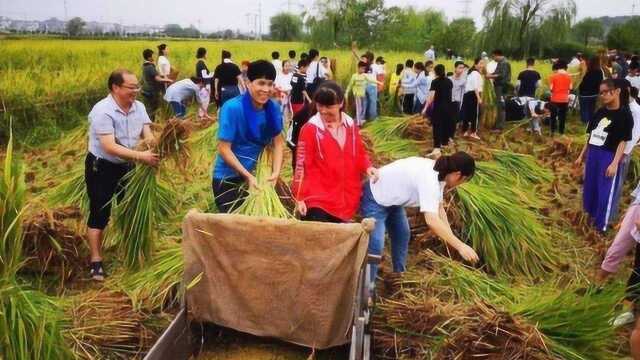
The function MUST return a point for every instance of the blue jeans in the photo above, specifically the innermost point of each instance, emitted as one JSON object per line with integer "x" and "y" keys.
{"x": 228, "y": 93}
{"x": 178, "y": 108}
{"x": 587, "y": 107}
{"x": 371, "y": 104}
{"x": 392, "y": 218}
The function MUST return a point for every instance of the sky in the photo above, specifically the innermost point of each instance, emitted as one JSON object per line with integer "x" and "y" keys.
{"x": 211, "y": 15}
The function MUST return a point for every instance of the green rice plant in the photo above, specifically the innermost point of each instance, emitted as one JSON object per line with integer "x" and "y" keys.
{"x": 147, "y": 201}
{"x": 263, "y": 201}
{"x": 71, "y": 191}
{"x": 575, "y": 319}
{"x": 12, "y": 199}
{"x": 397, "y": 148}
{"x": 523, "y": 167}
{"x": 30, "y": 324}
{"x": 508, "y": 236}
{"x": 387, "y": 127}
{"x": 155, "y": 287}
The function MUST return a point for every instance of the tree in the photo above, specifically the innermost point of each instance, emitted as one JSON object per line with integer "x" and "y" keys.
{"x": 173, "y": 30}
{"x": 75, "y": 26}
{"x": 586, "y": 29}
{"x": 625, "y": 36}
{"x": 515, "y": 22}
{"x": 285, "y": 27}
{"x": 458, "y": 35}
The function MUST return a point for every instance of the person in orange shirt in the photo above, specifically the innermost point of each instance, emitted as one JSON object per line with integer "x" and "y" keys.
{"x": 560, "y": 85}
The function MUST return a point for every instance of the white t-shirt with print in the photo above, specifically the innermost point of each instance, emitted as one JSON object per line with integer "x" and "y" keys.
{"x": 409, "y": 182}
{"x": 635, "y": 133}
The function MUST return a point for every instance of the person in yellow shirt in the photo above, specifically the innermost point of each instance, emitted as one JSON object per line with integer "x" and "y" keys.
{"x": 358, "y": 85}
{"x": 395, "y": 90}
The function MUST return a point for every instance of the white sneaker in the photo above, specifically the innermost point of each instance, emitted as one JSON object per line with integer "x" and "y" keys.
{"x": 623, "y": 319}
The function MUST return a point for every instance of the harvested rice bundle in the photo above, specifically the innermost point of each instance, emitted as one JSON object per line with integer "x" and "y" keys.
{"x": 523, "y": 167}
{"x": 172, "y": 142}
{"x": 155, "y": 287}
{"x": 72, "y": 191}
{"x": 104, "y": 323}
{"x": 387, "y": 127}
{"x": 508, "y": 236}
{"x": 263, "y": 201}
{"x": 51, "y": 247}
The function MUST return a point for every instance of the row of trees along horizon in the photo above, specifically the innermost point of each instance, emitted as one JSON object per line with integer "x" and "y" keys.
{"x": 521, "y": 28}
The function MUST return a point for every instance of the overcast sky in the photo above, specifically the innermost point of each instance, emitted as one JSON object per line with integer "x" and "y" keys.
{"x": 210, "y": 15}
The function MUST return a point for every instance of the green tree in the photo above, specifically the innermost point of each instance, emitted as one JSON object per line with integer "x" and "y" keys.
{"x": 586, "y": 29}
{"x": 513, "y": 24}
{"x": 285, "y": 27}
{"x": 625, "y": 36}
{"x": 75, "y": 26}
{"x": 173, "y": 30}
{"x": 458, "y": 35}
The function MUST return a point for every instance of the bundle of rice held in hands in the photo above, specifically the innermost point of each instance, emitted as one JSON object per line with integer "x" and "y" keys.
{"x": 148, "y": 200}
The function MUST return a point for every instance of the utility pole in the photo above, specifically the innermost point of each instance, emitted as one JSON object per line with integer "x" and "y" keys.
{"x": 260, "y": 19}
{"x": 466, "y": 8}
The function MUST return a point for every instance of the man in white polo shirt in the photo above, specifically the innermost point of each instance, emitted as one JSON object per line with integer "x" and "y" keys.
{"x": 116, "y": 124}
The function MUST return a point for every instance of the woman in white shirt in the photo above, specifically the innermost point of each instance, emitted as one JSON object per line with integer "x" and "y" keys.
{"x": 414, "y": 182}
{"x": 164, "y": 66}
{"x": 472, "y": 100}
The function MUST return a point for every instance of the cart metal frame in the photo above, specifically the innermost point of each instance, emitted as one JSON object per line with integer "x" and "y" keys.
{"x": 178, "y": 341}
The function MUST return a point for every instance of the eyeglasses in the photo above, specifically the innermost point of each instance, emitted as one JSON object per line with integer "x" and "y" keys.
{"x": 131, "y": 87}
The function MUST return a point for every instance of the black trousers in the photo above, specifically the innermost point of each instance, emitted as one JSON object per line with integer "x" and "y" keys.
{"x": 103, "y": 179}
{"x": 441, "y": 128}
{"x": 407, "y": 103}
{"x": 152, "y": 103}
{"x": 558, "y": 121}
{"x": 470, "y": 112}
{"x": 455, "y": 118}
{"x": 229, "y": 193}
{"x": 317, "y": 214}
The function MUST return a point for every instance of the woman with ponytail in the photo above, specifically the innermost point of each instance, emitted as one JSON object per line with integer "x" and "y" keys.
{"x": 414, "y": 182}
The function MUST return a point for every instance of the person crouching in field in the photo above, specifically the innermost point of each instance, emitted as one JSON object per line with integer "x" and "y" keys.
{"x": 331, "y": 161}
{"x": 152, "y": 84}
{"x": 116, "y": 124}
{"x": 358, "y": 84}
{"x": 181, "y": 91}
{"x": 247, "y": 124}
{"x": 539, "y": 110}
{"x": 608, "y": 132}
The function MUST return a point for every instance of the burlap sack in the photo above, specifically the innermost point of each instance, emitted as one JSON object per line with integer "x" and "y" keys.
{"x": 295, "y": 281}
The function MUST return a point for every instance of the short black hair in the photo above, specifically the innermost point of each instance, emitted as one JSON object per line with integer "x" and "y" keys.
{"x": 226, "y": 54}
{"x": 117, "y": 78}
{"x": 201, "y": 53}
{"x": 275, "y": 55}
{"x": 313, "y": 53}
{"x": 328, "y": 93}
{"x": 419, "y": 65}
{"x": 458, "y": 63}
{"x": 197, "y": 80}
{"x": 428, "y": 63}
{"x": 303, "y": 63}
{"x": 408, "y": 63}
{"x": 261, "y": 69}
{"x": 531, "y": 61}
{"x": 497, "y": 52}
{"x": 162, "y": 48}
{"x": 560, "y": 64}
{"x": 147, "y": 54}
{"x": 304, "y": 56}
{"x": 439, "y": 70}
{"x": 363, "y": 64}
{"x": 399, "y": 68}
{"x": 292, "y": 54}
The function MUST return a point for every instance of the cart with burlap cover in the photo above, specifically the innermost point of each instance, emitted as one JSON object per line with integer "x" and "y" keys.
{"x": 305, "y": 283}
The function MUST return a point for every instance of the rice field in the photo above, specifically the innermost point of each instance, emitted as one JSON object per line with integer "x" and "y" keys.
{"x": 532, "y": 296}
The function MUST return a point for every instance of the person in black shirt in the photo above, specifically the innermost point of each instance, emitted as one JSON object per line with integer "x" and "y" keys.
{"x": 588, "y": 89}
{"x": 440, "y": 99}
{"x": 228, "y": 80}
{"x": 152, "y": 84}
{"x": 608, "y": 131}
{"x": 202, "y": 71}
{"x": 298, "y": 87}
{"x": 528, "y": 80}
{"x": 297, "y": 122}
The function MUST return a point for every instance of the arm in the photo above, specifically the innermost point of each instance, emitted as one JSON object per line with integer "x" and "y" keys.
{"x": 224, "y": 149}
{"x": 147, "y": 134}
{"x": 277, "y": 156}
{"x": 613, "y": 168}
{"x": 160, "y": 78}
{"x": 109, "y": 145}
{"x": 580, "y": 158}
{"x": 305, "y": 153}
{"x": 215, "y": 89}
{"x": 432, "y": 94}
{"x": 442, "y": 229}
{"x": 241, "y": 84}
{"x": 306, "y": 96}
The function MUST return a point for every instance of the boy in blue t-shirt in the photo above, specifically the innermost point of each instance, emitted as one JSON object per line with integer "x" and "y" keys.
{"x": 248, "y": 123}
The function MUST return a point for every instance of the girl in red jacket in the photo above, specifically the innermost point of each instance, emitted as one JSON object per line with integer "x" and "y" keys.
{"x": 330, "y": 162}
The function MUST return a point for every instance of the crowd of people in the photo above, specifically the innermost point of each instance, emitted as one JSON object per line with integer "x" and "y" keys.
{"x": 333, "y": 178}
